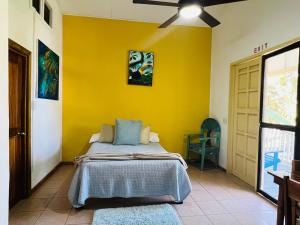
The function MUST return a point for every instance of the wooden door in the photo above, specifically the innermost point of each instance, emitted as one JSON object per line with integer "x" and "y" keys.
{"x": 17, "y": 106}
{"x": 247, "y": 77}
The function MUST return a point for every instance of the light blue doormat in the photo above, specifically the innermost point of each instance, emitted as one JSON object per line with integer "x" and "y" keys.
{"x": 138, "y": 215}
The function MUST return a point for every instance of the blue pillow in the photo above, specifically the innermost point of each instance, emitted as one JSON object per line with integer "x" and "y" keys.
{"x": 127, "y": 132}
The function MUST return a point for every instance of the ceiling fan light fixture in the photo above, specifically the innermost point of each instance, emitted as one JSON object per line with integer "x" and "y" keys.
{"x": 190, "y": 11}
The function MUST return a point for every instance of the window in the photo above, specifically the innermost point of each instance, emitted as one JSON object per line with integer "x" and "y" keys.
{"x": 280, "y": 116}
{"x": 44, "y": 9}
{"x": 37, "y": 5}
{"x": 280, "y": 88}
{"x": 47, "y": 14}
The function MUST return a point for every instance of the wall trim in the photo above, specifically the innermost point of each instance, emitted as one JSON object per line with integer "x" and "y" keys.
{"x": 39, "y": 184}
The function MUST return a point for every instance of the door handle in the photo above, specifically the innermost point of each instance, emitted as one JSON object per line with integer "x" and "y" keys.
{"x": 21, "y": 133}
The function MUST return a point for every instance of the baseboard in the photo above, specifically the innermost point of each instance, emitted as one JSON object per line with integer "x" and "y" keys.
{"x": 45, "y": 178}
{"x": 49, "y": 174}
{"x": 67, "y": 163}
{"x": 207, "y": 168}
{"x": 221, "y": 168}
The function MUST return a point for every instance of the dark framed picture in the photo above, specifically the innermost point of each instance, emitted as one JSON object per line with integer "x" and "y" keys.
{"x": 48, "y": 73}
{"x": 140, "y": 68}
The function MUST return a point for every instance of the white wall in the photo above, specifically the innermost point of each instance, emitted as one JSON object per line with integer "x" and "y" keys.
{"x": 4, "y": 166}
{"x": 25, "y": 28}
{"x": 244, "y": 26}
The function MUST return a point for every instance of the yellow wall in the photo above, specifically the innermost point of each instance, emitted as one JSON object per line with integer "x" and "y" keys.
{"x": 95, "y": 90}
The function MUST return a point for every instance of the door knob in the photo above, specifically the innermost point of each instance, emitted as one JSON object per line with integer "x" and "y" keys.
{"x": 21, "y": 133}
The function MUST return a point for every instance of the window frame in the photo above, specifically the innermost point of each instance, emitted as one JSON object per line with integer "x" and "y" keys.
{"x": 40, "y": 6}
{"x": 41, "y": 12}
{"x": 46, "y": 4}
{"x": 264, "y": 59}
{"x": 295, "y": 129}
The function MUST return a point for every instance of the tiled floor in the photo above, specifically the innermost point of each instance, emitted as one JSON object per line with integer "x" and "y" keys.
{"x": 216, "y": 199}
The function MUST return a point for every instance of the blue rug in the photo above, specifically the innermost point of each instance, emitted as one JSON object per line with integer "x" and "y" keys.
{"x": 139, "y": 215}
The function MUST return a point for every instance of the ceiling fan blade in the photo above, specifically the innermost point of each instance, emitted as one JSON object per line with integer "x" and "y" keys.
{"x": 209, "y": 19}
{"x": 205, "y": 3}
{"x": 149, "y": 2}
{"x": 169, "y": 21}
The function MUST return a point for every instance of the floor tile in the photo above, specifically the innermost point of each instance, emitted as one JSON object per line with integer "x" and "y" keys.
{"x": 189, "y": 199}
{"x": 196, "y": 186}
{"x": 31, "y": 204}
{"x": 250, "y": 219}
{"x": 80, "y": 216}
{"x": 62, "y": 191}
{"x": 59, "y": 203}
{"x": 242, "y": 193}
{"x": 81, "y": 224}
{"x": 234, "y": 205}
{"x": 269, "y": 217}
{"x": 55, "y": 184}
{"x": 49, "y": 223}
{"x": 190, "y": 209}
{"x": 201, "y": 196}
{"x": 24, "y": 218}
{"x": 219, "y": 193}
{"x": 53, "y": 217}
{"x": 44, "y": 193}
{"x": 211, "y": 207}
{"x": 223, "y": 219}
{"x": 196, "y": 220}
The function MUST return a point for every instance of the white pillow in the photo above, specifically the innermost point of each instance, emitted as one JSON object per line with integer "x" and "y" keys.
{"x": 145, "y": 135}
{"x": 154, "y": 137}
{"x": 95, "y": 138}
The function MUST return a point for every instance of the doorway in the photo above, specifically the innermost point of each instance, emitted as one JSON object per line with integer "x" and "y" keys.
{"x": 19, "y": 123}
{"x": 278, "y": 116}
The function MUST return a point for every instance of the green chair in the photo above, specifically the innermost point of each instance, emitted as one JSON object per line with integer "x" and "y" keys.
{"x": 207, "y": 143}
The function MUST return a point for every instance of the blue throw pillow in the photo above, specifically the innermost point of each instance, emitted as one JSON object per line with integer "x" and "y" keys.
{"x": 127, "y": 132}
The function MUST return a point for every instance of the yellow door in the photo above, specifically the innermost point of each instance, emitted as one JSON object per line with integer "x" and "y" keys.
{"x": 246, "y": 104}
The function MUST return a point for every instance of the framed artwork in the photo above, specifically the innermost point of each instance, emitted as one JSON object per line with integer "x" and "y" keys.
{"x": 140, "y": 68}
{"x": 48, "y": 73}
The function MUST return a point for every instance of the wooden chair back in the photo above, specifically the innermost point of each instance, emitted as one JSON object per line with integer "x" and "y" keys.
{"x": 291, "y": 200}
{"x": 295, "y": 175}
{"x": 211, "y": 128}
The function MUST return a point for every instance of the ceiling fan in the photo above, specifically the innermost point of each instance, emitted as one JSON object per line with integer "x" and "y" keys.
{"x": 189, "y": 9}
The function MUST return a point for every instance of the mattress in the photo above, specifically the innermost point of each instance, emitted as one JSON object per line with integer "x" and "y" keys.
{"x": 128, "y": 178}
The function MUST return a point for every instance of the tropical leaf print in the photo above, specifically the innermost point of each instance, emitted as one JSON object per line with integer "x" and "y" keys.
{"x": 48, "y": 73}
{"x": 140, "y": 68}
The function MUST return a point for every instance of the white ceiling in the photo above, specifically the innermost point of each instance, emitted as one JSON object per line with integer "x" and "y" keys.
{"x": 126, "y": 10}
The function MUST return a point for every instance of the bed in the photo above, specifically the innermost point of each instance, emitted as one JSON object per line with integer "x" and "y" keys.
{"x": 128, "y": 178}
